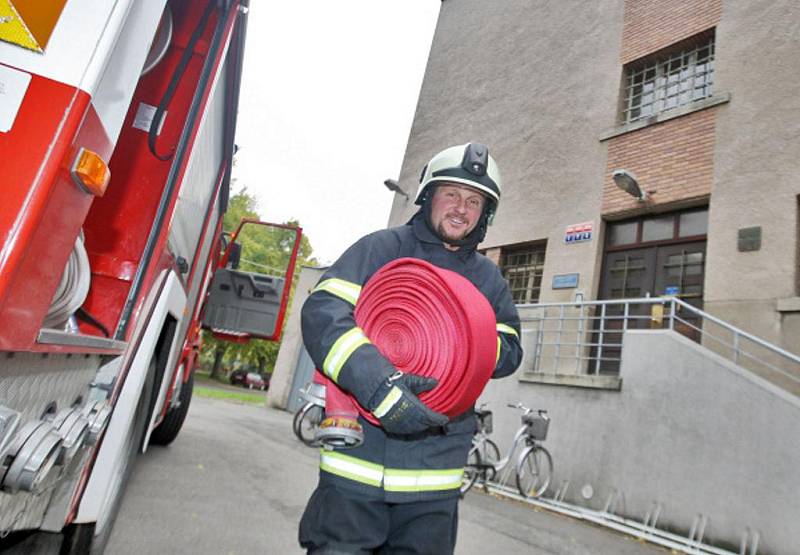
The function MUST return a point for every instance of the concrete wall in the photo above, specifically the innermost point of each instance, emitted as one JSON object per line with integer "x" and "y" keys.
{"x": 517, "y": 76}
{"x": 688, "y": 429}
{"x": 280, "y": 386}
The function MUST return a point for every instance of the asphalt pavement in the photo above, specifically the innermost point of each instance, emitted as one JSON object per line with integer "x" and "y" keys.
{"x": 235, "y": 482}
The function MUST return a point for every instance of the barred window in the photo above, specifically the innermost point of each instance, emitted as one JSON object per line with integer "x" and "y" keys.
{"x": 522, "y": 267}
{"x": 668, "y": 79}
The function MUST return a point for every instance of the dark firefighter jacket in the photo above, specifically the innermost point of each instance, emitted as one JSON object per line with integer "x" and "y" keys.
{"x": 397, "y": 468}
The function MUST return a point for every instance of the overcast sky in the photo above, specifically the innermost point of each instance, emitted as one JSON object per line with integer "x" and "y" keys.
{"x": 328, "y": 96}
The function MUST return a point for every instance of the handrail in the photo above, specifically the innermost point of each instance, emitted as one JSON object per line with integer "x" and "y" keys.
{"x": 737, "y": 331}
{"x": 592, "y": 339}
{"x": 638, "y": 300}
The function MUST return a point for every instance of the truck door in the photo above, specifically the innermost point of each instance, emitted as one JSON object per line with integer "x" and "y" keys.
{"x": 250, "y": 288}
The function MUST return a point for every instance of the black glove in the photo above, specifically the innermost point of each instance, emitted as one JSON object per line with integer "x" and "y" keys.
{"x": 398, "y": 408}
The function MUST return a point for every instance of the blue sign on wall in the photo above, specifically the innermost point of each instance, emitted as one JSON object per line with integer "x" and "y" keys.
{"x": 565, "y": 281}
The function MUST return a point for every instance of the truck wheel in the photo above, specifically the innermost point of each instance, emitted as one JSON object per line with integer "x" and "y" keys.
{"x": 167, "y": 431}
{"x": 92, "y": 538}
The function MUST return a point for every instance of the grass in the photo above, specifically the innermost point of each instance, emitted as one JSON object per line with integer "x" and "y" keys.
{"x": 246, "y": 396}
{"x": 236, "y": 396}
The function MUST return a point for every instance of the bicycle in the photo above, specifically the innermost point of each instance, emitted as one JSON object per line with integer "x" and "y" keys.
{"x": 534, "y": 466}
{"x": 308, "y": 417}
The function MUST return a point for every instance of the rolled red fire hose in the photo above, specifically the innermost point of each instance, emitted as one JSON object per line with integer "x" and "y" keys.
{"x": 431, "y": 322}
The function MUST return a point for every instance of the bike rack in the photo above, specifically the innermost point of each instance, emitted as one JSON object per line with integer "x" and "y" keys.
{"x": 751, "y": 537}
{"x": 646, "y": 530}
{"x": 561, "y": 492}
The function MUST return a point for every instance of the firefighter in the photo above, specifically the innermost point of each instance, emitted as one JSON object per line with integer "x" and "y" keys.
{"x": 359, "y": 505}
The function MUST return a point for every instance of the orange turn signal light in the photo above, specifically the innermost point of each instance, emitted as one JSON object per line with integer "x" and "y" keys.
{"x": 91, "y": 172}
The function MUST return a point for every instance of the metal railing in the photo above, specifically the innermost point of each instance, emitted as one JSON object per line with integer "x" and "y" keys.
{"x": 586, "y": 337}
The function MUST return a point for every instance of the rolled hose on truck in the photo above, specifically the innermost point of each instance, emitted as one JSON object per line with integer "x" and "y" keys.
{"x": 72, "y": 289}
{"x": 427, "y": 321}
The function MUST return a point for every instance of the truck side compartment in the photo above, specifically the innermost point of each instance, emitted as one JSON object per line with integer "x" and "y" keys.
{"x": 71, "y": 394}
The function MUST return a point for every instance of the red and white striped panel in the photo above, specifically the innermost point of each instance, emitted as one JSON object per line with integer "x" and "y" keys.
{"x": 74, "y": 95}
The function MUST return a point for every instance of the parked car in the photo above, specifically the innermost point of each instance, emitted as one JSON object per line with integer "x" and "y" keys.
{"x": 251, "y": 380}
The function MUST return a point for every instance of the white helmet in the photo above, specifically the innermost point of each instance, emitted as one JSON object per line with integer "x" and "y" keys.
{"x": 468, "y": 164}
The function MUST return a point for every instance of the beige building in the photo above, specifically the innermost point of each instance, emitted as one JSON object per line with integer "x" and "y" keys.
{"x": 696, "y": 102}
{"x": 642, "y": 297}
{"x": 697, "y": 99}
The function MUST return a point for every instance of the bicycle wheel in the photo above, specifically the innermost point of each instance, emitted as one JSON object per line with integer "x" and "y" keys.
{"x": 296, "y": 421}
{"x": 471, "y": 470}
{"x": 306, "y": 421}
{"x": 490, "y": 455}
{"x": 490, "y": 451}
{"x": 534, "y": 470}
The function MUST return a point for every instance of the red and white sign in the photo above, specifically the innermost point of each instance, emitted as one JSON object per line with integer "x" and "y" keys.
{"x": 577, "y": 233}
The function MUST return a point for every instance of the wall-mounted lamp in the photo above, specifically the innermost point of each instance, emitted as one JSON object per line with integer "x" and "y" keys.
{"x": 394, "y": 186}
{"x": 626, "y": 181}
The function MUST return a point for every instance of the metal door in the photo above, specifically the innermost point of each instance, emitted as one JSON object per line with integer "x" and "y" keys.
{"x": 660, "y": 270}
{"x": 627, "y": 274}
{"x": 681, "y": 272}
{"x": 303, "y": 373}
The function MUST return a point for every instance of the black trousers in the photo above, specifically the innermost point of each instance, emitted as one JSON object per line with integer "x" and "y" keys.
{"x": 338, "y": 522}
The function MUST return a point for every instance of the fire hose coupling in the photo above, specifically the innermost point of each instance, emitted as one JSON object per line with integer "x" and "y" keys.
{"x": 339, "y": 432}
{"x": 74, "y": 429}
{"x": 97, "y": 415}
{"x": 32, "y": 454}
{"x": 314, "y": 393}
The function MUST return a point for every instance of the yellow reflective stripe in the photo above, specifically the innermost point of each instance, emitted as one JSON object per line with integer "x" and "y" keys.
{"x": 346, "y": 290}
{"x": 388, "y": 402}
{"x": 341, "y": 351}
{"x": 422, "y": 480}
{"x": 499, "y": 344}
{"x": 393, "y": 479}
{"x": 504, "y": 328}
{"x": 351, "y": 468}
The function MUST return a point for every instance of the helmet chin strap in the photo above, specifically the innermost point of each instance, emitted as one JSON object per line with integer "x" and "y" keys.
{"x": 472, "y": 239}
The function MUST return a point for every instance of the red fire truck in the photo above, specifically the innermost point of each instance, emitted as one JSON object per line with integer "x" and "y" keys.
{"x": 117, "y": 124}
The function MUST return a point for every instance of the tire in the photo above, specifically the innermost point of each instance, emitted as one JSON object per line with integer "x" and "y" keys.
{"x": 92, "y": 538}
{"x": 490, "y": 454}
{"x": 166, "y": 432}
{"x": 471, "y": 470}
{"x": 305, "y": 423}
{"x": 534, "y": 471}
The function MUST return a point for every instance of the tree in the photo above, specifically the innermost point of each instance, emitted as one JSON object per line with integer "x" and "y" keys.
{"x": 265, "y": 250}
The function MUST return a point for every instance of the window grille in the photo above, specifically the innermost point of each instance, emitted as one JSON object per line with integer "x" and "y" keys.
{"x": 523, "y": 268}
{"x": 673, "y": 79}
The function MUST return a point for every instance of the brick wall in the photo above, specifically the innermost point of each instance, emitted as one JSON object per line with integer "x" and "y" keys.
{"x": 674, "y": 158}
{"x": 650, "y": 25}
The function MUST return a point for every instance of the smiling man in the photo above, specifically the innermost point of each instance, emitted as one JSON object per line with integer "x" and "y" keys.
{"x": 455, "y": 211}
{"x": 398, "y": 491}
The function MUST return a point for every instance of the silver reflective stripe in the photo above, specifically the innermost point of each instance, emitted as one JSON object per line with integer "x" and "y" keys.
{"x": 422, "y": 480}
{"x": 341, "y": 350}
{"x": 346, "y": 290}
{"x": 504, "y": 328}
{"x": 351, "y": 468}
{"x": 388, "y": 402}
